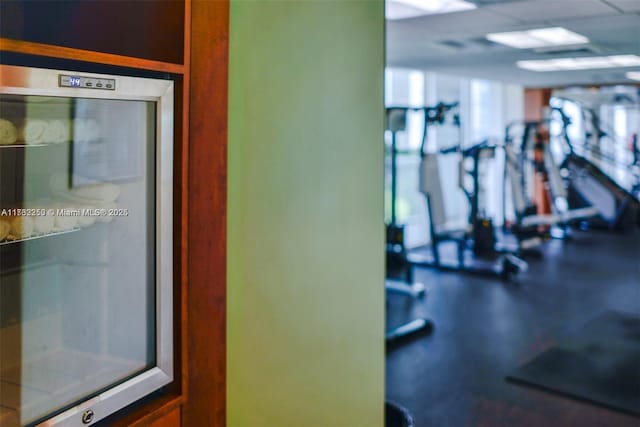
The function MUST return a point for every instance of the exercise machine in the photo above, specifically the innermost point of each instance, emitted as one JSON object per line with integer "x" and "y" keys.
{"x": 618, "y": 207}
{"x": 472, "y": 254}
{"x": 395, "y": 245}
{"x": 539, "y": 193}
{"x": 396, "y": 251}
{"x": 485, "y": 241}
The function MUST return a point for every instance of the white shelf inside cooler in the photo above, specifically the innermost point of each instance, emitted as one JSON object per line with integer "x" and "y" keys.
{"x": 38, "y": 236}
{"x": 25, "y": 145}
{"x": 57, "y": 379}
{"x": 50, "y": 144}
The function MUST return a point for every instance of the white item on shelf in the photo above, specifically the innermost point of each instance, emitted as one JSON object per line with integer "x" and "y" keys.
{"x": 94, "y": 193}
{"x": 85, "y": 219}
{"x": 85, "y": 130}
{"x": 106, "y": 218}
{"x": 104, "y": 192}
{"x": 43, "y": 224}
{"x": 21, "y": 226}
{"x": 65, "y": 218}
{"x": 33, "y": 131}
{"x": 5, "y": 228}
{"x": 8, "y": 132}
{"x": 57, "y": 131}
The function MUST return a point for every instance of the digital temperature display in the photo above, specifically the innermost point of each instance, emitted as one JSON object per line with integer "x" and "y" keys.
{"x": 86, "y": 82}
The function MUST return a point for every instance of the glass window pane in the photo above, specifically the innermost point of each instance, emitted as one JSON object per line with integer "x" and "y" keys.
{"x": 77, "y": 250}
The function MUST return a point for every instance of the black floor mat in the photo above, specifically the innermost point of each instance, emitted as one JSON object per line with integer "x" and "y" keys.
{"x": 600, "y": 363}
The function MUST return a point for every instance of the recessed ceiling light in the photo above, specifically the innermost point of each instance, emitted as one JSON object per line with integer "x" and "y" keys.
{"x": 582, "y": 63}
{"x": 539, "y": 37}
{"x": 633, "y": 75}
{"x": 402, "y": 9}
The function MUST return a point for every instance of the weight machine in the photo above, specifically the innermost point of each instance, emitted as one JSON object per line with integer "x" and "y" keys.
{"x": 471, "y": 256}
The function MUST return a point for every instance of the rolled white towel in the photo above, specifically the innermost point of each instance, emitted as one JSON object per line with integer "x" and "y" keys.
{"x": 104, "y": 192}
{"x": 43, "y": 224}
{"x": 33, "y": 131}
{"x": 85, "y": 130}
{"x": 5, "y": 228}
{"x": 86, "y": 220}
{"x": 98, "y": 192}
{"x": 8, "y": 132}
{"x": 21, "y": 226}
{"x": 57, "y": 131}
{"x": 106, "y": 218}
{"x": 64, "y": 220}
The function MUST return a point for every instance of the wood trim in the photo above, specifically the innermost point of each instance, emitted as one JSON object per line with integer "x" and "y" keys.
{"x": 200, "y": 173}
{"x": 171, "y": 419}
{"x": 182, "y": 159}
{"x": 535, "y": 101}
{"x": 144, "y": 414}
{"x": 39, "y": 49}
{"x": 207, "y": 206}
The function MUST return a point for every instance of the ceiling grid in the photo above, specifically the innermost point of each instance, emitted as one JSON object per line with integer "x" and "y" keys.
{"x": 456, "y": 42}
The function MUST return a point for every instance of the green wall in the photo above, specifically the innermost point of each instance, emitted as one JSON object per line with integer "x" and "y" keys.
{"x": 305, "y": 219}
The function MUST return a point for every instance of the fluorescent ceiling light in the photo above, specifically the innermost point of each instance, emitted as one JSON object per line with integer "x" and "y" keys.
{"x": 539, "y": 37}
{"x": 402, "y": 9}
{"x": 633, "y": 75}
{"x": 582, "y": 63}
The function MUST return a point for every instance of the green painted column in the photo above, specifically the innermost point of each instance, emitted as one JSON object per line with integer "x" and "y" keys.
{"x": 305, "y": 216}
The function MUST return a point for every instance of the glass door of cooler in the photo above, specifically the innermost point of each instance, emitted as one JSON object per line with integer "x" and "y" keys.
{"x": 85, "y": 244}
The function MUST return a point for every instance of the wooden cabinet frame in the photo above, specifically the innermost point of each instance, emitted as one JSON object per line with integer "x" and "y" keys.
{"x": 197, "y": 396}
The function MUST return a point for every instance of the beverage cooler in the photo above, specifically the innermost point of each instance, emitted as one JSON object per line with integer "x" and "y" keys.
{"x": 85, "y": 244}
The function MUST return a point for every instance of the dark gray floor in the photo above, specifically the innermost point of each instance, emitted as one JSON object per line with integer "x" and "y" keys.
{"x": 486, "y": 328}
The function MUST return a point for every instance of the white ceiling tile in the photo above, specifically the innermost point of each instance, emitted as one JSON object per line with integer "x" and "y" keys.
{"x": 430, "y": 42}
{"x": 474, "y": 20}
{"x": 550, "y": 10}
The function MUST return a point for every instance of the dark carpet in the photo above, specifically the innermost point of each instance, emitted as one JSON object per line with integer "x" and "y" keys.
{"x": 484, "y": 328}
{"x": 600, "y": 363}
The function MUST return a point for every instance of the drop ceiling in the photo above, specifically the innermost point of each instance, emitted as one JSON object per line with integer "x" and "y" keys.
{"x": 455, "y": 43}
